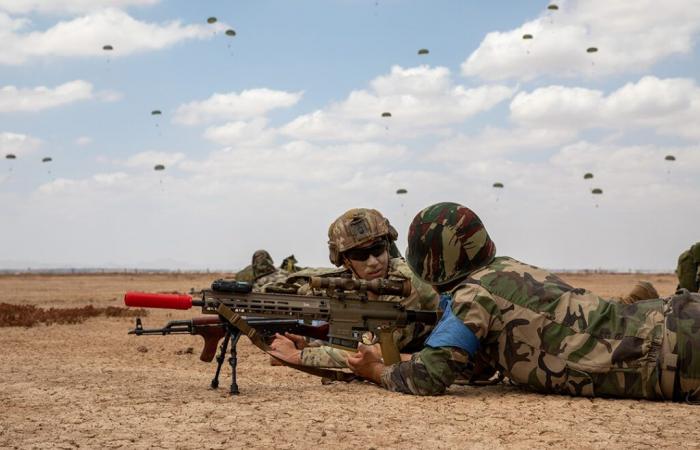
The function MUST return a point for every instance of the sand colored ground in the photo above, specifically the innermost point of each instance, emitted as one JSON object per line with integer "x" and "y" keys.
{"x": 89, "y": 386}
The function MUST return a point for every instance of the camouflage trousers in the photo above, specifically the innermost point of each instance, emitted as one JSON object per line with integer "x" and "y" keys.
{"x": 679, "y": 362}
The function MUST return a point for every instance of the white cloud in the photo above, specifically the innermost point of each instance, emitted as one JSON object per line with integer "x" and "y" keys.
{"x": 630, "y": 37}
{"x": 85, "y": 36}
{"x": 248, "y": 104}
{"x": 670, "y": 106}
{"x": 67, "y": 6}
{"x": 497, "y": 142}
{"x": 14, "y": 99}
{"x": 250, "y": 133}
{"x": 420, "y": 99}
{"x": 83, "y": 140}
{"x": 18, "y": 144}
{"x": 148, "y": 159}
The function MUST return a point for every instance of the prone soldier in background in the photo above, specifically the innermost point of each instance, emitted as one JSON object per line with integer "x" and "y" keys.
{"x": 360, "y": 240}
{"x": 688, "y": 269}
{"x": 261, "y": 271}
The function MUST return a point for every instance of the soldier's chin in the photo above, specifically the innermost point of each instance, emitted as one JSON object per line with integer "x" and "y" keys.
{"x": 374, "y": 275}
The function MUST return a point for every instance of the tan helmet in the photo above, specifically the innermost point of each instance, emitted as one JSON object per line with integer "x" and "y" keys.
{"x": 355, "y": 228}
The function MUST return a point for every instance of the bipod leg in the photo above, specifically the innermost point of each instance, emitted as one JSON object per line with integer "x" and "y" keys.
{"x": 220, "y": 360}
{"x": 233, "y": 360}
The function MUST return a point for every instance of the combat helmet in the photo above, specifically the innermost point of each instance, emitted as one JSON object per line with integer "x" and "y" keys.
{"x": 357, "y": 227}
{"x": 262, "y": 264}
{"x": 446, "y": 242}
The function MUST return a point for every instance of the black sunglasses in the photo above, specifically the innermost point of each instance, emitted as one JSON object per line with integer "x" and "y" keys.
{"x": 362, "y": 254}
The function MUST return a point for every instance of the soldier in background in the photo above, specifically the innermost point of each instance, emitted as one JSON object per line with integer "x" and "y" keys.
{"x": 261, "y": 271}
{"x": 360, "y": 241}
{"x": 529, "y": 324}
{"x": 688, "y": 269}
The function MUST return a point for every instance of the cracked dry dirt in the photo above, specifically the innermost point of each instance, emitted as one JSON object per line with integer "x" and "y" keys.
{"x": 88, "y": 386}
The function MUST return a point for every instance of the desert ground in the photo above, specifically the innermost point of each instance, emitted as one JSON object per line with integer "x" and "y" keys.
{"x": 91, "y": 385}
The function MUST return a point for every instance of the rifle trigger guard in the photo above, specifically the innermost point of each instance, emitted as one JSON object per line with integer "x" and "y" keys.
{"x": 369, "y": 338}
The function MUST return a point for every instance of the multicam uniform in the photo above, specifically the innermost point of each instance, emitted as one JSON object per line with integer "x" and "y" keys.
{"x": 536, "y": 329}
{"x": 422, "y": 297}
{"x": 261, "y": 271}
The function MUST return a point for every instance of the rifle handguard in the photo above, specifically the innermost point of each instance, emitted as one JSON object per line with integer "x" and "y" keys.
{"x": 167, "y": 301}
{"x": 379, "y": 286}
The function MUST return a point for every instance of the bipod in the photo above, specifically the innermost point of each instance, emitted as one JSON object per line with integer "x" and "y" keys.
{"x": 232, "y": 335}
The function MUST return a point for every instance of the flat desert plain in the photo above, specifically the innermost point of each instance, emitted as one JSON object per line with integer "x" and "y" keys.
{"x": 91, "y": 385}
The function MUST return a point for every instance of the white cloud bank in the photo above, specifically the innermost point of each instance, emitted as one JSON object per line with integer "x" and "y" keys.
{"x": 630, "y": 36}
{"x": 86, "y": 35}
{"x": 248, "y": 104}
{"x": 420, "y": 99}
{"x": 14, "y": 99}
{"x": 18, "y": 144}
{"x": 670, "y": 106}
{"x": 67, "y": 6}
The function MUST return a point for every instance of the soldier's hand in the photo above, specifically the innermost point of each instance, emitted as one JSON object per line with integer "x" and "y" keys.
{"x": 299, "y": 341}
{"x": 284, "y": 349}
{"x": 367, "y": 362}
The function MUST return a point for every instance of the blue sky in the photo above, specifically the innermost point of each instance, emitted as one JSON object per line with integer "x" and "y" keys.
{"x": 270, "y": 135}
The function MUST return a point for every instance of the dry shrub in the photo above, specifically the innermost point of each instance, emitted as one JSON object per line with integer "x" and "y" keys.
{"x": 28, "y": 315}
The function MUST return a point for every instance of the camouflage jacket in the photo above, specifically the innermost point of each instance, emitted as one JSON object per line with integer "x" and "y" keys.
{"x": 688, "y": 269}
{"x": 278, "y": 276}
{"x": 422, "y": 297}
{"x": 551, "y": 337}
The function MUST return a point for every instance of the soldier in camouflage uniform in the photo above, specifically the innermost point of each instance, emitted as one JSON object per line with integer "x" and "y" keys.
{"x": 688, "y": 269}
{"x": 539, "y": 331}
{"x": 359, "y": 240}
{"x": 261, "y": 271}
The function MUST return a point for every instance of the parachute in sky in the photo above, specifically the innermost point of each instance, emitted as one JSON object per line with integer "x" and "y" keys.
{"x": 401, "y": 191}
{"x": 107, "y": 47}
{"x": 498, "y": 185}
{"x": 553, "y": 7}
{"x": 230, "y": 32}
{"x": 10, "y": 156}
{"x": 596, "y": 191}
{"x": 211, "y": 20}
{"x": 156, "y": 112}
{"x": 386, "y": 114}
{"x": 670, "y": 158}
{"x": 423, "y": 51}
{"x": 527, "y": 36}
{"x": 158, "y": 167}
{"x": 592, "y": 50}
{"x": 47, "y": 159}
{"x": 588, "y": 176}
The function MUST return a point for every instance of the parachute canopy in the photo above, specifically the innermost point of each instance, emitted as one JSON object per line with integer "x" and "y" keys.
{"x": 159, "y": 167}
{"x": 592, "y": 49}
{"x": 230, "y": 32}
{"x": 423, "y": 51}
{"x": 47, "y": 159}
{"x": 107, "y": 47}
{"x": 597, "y": 191}
{"x": 156, "y": 112}
{"x": 211, "y": 20}
{"x": 386, "y": 114}
{"x": 588, "y": 176}
{"x": 401, "y": 191}
{"x": 670, "y": 158}
{"x": 527, "y": 36}
{"x": 553, "y": 7}
{"x": 10, "y": 156}
{"x": 498, "y": 185}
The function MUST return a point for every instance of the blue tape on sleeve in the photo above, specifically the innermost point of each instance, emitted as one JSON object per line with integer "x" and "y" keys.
{"x": 452, "y": 332}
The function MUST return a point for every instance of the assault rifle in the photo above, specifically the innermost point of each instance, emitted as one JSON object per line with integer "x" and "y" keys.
{"x": 350, "y": 316}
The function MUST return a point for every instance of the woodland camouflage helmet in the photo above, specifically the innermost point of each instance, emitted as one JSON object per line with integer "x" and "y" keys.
{"x": 446, "y": 242}
{"x": 357, "y": 227}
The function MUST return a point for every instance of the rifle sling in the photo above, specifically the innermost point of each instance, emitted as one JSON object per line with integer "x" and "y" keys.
{"x": 239, "y": 322}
